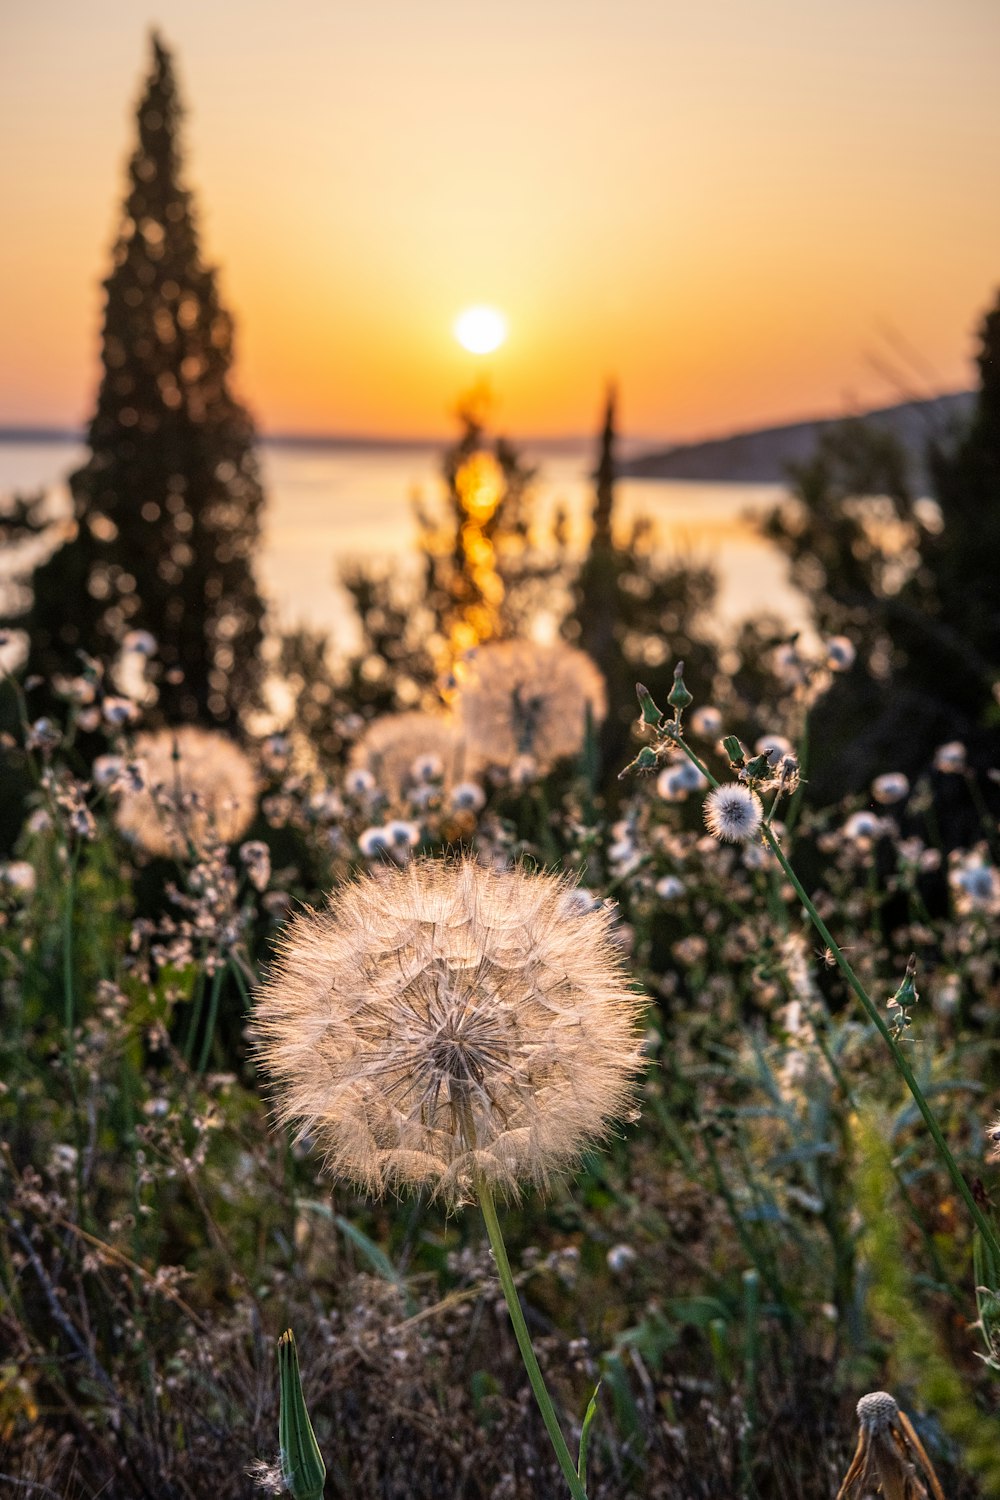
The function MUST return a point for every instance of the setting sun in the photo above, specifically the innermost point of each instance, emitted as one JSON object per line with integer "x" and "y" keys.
{"x": 481, "y": 329}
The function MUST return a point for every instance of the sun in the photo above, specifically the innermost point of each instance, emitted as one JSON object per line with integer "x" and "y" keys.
{"x": 480, "y": 329}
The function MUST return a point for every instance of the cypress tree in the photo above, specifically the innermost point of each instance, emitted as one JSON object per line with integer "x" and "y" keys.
{"x": 167, "y": 507}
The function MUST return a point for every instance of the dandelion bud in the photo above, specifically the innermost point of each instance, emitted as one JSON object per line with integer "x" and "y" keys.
{"x": 734, "y": 750}
{"x": 679, "y": 697}
{"x": 649, "y": 711}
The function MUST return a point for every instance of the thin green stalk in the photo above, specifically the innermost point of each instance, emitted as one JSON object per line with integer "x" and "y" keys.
{"x": 213, "y": 1013}
{"x": 898, "y": 1056}
{"x": 872, "y": 1012}
{"x": 485, "y": 1195}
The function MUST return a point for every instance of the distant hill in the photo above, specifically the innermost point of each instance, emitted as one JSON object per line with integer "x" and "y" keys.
{"x": 763, "y": 456}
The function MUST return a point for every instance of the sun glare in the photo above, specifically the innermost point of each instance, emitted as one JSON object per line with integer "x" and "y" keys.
{"x": 481, "y": 329}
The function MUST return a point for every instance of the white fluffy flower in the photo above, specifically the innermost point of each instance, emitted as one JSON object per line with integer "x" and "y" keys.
{"x": 950, "y": 758}
{"x": 892, "y": 787}
{"x": 733, "y": 813}
{"x": 840, "y": 653}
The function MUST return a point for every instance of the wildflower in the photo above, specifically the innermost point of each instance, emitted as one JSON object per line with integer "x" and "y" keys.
{"x": 402, "y": 836}
{"x": 888, "y": 1454}
{"x": 373, "y": 841}
{"x": 619, "y": 1258}
{"x": 975, "y": 883}
{"x": 256, "y": 857}
{"x": 774, "y": 746}
{"x": 950, "y": 758}
{"x": 892, "y": 787}
{"x": 519, "y": 698}
{"x": 402, "y": 750}
{"x": 118, "y": 712}
{"x": 467, "y": 797}
{"x": 18, "y": 877}
{"x": 706, "y": 723}
{"x": 863, "y": 827}
{"x": 733, "y": 813}
{"x": 200, "y": 785}
{"x": 359, "y": 784}
{"x": 676, "y": 781}
{"x": 840, "y": 653}
{"x": 141, "y": 642}
{"x": 447, "y": 1023}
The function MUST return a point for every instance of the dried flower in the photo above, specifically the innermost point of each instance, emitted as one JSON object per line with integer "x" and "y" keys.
{"x": 399, "y": 750}
{"x": 733, "y": 813}
{"x": 520, "y": 699}
{"x": 445, "y": 1022}
{"x": 888, "y": 1454}
{"x": 199, "y": 785}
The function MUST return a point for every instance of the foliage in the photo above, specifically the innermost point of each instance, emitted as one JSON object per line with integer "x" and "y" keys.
{"x": 166, "y": 509}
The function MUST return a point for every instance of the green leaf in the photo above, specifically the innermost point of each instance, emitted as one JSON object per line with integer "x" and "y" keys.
{"x": 589, "y": 1415}
{"x": 302, "y": 1466}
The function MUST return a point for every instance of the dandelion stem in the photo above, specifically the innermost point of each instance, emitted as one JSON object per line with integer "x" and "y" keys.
{"x": 872, "y": 1012}
{"x": 898, "y": 1056}
{"x": 485, "y": 1195}
{"x": 213, "y": 1014}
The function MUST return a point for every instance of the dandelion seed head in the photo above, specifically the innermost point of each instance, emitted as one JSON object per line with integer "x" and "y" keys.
{"x": 445, "y": 1020}
{"x": 521, "y": 699}
{"x": 399, "y": 751}
{"x": 198, "y": 785}
{"x": 733, "y": 813}
{"x": 877, "y": 1411}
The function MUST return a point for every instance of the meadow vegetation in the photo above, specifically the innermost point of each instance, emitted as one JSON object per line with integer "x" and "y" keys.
{"x": 753, "y": 1191}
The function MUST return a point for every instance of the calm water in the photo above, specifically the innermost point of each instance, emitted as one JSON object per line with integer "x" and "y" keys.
{"x": 330, "y": 506}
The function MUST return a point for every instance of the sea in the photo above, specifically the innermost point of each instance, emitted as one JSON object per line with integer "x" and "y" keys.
{"x": 331, "y": 505}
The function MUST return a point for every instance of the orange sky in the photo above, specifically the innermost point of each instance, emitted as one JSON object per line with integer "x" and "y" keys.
{"x": 722, "y": 205}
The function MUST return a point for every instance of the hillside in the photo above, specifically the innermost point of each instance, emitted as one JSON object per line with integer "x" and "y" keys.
{"x": 763, "y": 456}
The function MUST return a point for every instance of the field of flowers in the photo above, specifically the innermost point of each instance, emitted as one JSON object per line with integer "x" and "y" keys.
{"x": 290, "y": 1042}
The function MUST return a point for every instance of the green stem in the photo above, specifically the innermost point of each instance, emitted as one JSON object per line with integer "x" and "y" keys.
{"x": 548, "y": 1411}
{"x": 213, "y": 1012}
{"x": 898, "y": 1056}
{"x": 872, "y": 1012}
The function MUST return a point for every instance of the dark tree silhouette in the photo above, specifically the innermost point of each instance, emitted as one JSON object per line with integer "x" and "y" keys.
{"x": 962, "y": 557}
{"x": 637, "y": 611}
{"x": 167, "y": 507}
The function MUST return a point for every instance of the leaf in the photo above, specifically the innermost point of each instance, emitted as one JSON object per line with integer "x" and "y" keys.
{"x": 589, "y": 1415}
{"x": 302, "y": 1466}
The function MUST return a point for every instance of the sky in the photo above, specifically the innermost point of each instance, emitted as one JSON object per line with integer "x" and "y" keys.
{"x": 740, "y": 212}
